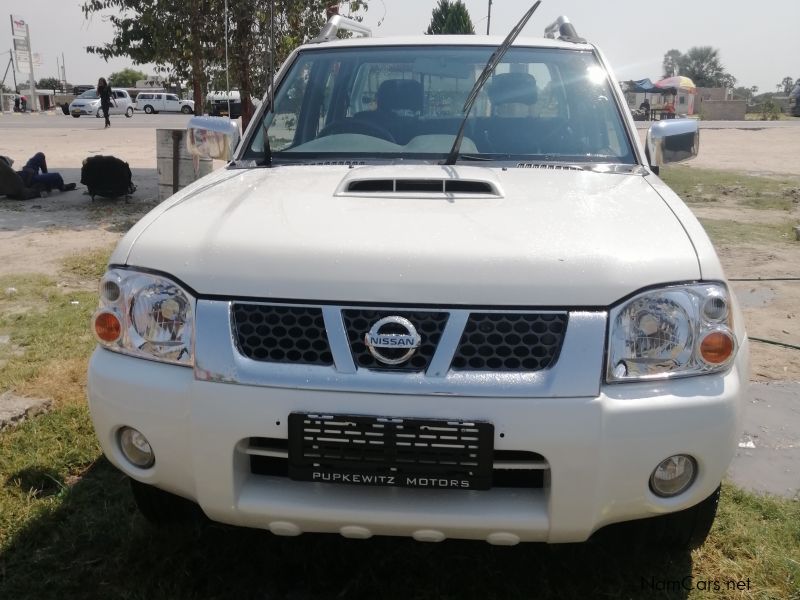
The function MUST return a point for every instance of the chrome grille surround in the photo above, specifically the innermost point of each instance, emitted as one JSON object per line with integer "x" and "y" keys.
{"x": 428, "y": 324}
{"x": 577, "y": 372}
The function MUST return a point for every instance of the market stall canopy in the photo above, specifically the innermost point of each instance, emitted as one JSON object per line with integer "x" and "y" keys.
{"x": 676, "y": 84}
{"x": 642, "y": 86}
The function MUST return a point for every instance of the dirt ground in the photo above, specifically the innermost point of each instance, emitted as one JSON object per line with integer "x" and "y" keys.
{"x": 35, "y": 236}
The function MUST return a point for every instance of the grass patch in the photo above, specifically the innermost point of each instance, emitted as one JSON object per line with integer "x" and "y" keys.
{"x": 701, "y": 186}
{"x": 726, "y": 231}
{"x": 88, "y": 265}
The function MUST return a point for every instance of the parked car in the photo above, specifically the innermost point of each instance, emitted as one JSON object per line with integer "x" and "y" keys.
{"x": 156, "y": 102}
{"x": 394, "y": 314}
{"x": 88, "y": 103}
{"x": 224, "y": 104}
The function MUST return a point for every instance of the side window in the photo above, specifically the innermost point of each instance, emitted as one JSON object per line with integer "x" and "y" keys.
{"x": 172, "y": 97}
{"x": 119, "y": 94}
{"x": 287, "y": 112}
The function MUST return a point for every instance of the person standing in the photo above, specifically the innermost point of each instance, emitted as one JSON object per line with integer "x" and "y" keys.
{"x": 106, "y": 98}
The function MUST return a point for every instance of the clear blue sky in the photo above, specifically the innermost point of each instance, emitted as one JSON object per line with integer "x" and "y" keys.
{"x": 759, "y": 42}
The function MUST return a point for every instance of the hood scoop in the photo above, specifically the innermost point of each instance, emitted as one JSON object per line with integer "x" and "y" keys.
{"x": 433, "y": 181}
{"x": 422, "y": 186}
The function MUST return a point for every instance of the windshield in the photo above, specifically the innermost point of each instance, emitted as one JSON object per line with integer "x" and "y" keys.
{"x": 89, "y": 95}
{"x": 406, "y": 102}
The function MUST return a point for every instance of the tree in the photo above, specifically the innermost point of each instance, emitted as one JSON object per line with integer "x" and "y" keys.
{"x": 126, "y": 78}
{"x": 671, "y": 63}
{"x": 186, "y": 38}
{"x": 49, "y": 83}
{"x": 701, "y": 64}
{"x": 787, "y": 83}
{"x": 450, "y": 17}
{"x": 742, "y": 93}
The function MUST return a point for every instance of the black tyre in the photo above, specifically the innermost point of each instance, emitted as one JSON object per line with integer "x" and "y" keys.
{"x": 186, "y": 110}
{"x": 76, "y": 116}
{"x": 686, "y": 529}
{"x": 129, "y": 112}
{"x": 679, "y": 531}
{"x": 149, "y": 109}
{"x": 160, "y": 507}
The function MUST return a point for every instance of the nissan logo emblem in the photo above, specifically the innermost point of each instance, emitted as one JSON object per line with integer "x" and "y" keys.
{"x": 392, "y": 340}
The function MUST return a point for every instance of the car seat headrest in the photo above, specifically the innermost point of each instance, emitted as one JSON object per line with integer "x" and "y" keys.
{"x": 506, "y": 88}
{"x": 400, "y": 94}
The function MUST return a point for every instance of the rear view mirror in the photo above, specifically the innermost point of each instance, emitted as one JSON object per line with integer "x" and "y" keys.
{"x": 672, "y": 141}
{"x": 212, "y": 137}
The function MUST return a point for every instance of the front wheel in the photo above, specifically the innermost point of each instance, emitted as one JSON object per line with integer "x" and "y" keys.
{"x": 686, "y": 529}
{"x": 76, "y": 116}
{"x": 186, "y": 110}
{"x": 129, "y": 112}
{"x": 680, "y": 531}
{"x": 160, "y": 507}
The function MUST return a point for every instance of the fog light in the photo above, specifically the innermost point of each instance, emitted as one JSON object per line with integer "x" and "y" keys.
{"x": 673, "y": 475}
{"x": 136, "y": 448}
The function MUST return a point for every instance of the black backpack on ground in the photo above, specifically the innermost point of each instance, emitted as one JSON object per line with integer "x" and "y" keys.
{"x": 107, "y": 176}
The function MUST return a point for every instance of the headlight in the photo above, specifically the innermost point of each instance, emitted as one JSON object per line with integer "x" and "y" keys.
{"x": 671, "y": 332}
{"x": 145, "y": 315}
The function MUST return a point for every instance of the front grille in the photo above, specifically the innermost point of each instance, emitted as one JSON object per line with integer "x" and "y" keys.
{"x": 281, "y": 334}
{"x": 510, "y": 342}
{"x": 429, "y": 326}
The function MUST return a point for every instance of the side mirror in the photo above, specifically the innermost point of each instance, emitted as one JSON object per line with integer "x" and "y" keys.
{"x": 672, "y": 141}
{"x": 212, "y": 137}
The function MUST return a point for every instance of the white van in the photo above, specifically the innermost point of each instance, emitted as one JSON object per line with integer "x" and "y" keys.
{"x": 152, "y": 102}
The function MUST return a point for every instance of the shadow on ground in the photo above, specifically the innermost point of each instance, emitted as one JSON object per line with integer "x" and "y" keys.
{"x": 95, "y": 545}
{"x": 76, "y": 210}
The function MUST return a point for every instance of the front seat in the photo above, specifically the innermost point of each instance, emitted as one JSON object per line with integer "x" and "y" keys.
{"x": 510, "y": 129}
{"x": 399, "y": 104}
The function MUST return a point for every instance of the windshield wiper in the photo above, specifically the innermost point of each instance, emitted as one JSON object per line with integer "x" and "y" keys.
{"x": 493, "y": 61}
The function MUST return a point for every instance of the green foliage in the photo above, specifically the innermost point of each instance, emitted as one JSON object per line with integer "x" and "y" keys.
{"x": 701, "y": 64}
{"x": 49, "y": 83}
{"x": 450, "y": 17}
{"x": 671, "y": 63}
{"x": 186, "y": 39}
{"x": 126, "y": 78}
{"x": 770, "y": 111}
{"x": 787, "y": 84}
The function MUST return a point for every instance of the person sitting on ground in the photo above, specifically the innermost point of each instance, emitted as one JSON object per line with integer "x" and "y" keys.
{"x": 11, "y": 184}
{"x": 35, "y": 175}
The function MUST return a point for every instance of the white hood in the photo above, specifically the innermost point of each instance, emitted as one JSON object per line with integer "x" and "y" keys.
{"x": 548, "y": 238}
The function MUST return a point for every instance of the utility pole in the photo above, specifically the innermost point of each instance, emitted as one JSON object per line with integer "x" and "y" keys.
{"x": 489, "y": 18}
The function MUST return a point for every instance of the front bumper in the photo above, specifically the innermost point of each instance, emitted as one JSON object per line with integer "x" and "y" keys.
{"x": 83, "y": 110}
{"x": 600, "y": 452}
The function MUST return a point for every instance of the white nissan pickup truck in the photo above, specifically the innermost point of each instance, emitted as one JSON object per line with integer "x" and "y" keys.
{"x": 439, "y": 291}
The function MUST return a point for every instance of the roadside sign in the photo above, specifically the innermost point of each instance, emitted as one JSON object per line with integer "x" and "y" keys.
{"x": 23, "y": 62}
{"x": 37, "y": 59}
{"x": 18, "y": 26}
{"x": 21, "y": 45}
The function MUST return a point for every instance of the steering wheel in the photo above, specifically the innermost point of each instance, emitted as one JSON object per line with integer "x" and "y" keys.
{"x": 357, "y": 126}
